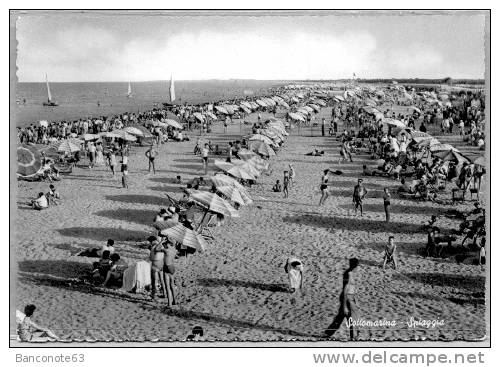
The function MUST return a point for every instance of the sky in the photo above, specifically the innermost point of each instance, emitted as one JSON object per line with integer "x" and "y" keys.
{"x": 71, "y": 47}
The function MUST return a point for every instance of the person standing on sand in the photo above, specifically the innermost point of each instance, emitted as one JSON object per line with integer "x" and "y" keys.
{"x": 286, "y": 182}
{"x": 291, "y": 174}
{"x": 204, "y": 157}
{"x": 295, "y": 271}
{"x": 112, "y": 162}
{"x": 156, "y": 256}
{"x": 151, "y": 154}
{"x": 124, "y": 170}
{"x": 390, "y": 254}
{"x": 358, "y": 196}
{"x": 387, "y": 203}
{"x": 348, "y": 308}
{"x": 169, "y": 270}
{"x": 324, "y": 187}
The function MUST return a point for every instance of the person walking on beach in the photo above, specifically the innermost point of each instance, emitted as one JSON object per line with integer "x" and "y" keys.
{"x": 151, "y": 154}
{"x": 358, "y": 196}
{"x": 286, "y": 182}
{"x": 324, "y": 187}
{"x": 92, "y": 151}
{"x": 390, "y": 254}
{"x": 204, "y": 157}
{"x": 295, "y": 271}
{"x": 291, "y": 174}
{"x": 347, "y": 309}
{"x": 124, "y": 170}
{"x": 169, "y": 270}
{"x": 387, "y": 203}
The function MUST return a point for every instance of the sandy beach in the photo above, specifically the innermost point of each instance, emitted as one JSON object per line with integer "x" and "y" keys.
{"x": 236, "y": 290}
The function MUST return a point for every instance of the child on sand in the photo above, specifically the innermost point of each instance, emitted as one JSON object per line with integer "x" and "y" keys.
{"x": 295, "y": 271}
{"x": 390, "y": 254}
{"x": 277, "y": 186}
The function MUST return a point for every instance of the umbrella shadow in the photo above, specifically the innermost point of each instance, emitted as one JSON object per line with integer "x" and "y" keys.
{"x": 59, "y": 268}
{"x": 186, "y": 314}
{"x": 476, "y": 299}
{"x": 359, "y": 223}
{"x": 139, "y": 199}
{"x": 165, "y": 188}
{"x": 102, "y": 233}
{"x": 401, "y": 208}
{"x": 218, "y": 282}
{"x": 129, "y": 215}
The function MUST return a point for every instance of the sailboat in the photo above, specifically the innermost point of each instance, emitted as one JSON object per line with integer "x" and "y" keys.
{"x": 171, "y": 92}
{"x": 129, "y": 93}
{"x": 49, "y": 102}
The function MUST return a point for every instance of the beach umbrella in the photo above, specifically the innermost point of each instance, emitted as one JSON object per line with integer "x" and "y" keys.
{"x": 29, "y": 160}
{"x": 259, "y": 163}
{"x": 245, "y": 108}
{"x": 67, "y": 146}
{"x": 415, "y": 109}
{"x": 339, "y": 98}
{"x": 263, "y": 138}
{"x": 246, "y": 104}
{"x": 270, "y": 133}
{"x": 229, "y": 109}
{"x": 133, "y": 131}
{"x": 199, "y": 116}
{"x": 225, "y": 180}
{"x": 245, "y": 154}
{"x": 88, "y": 137}
{"x": 395, "y": 123}
{"x": 320, "y": 102}
{"x": 124, "y": 135}
{"x": 261, "y": 148}
{"x": 212, "y": 202}
{"x": 145, "y": 132}
{"x": 254, "y": 105}
{"x": 232, "y": 194}
{"x": 173, "y": 123}
{"x": 247, "y": 166}
{"x": 296, "y": 116}
{"x": 178, "y": 232}
{"x": 261, "y": 103}
{"x": 442, "y": 147}
{"x": 370, "y": 103}
{"x": 419, "y": 134}
{"x": 234, "y": 170}
{"x": 44, "y": 123}
{"x": 426, "y": 141}
{"x": 480, "y": 161}
{"x": 108, "y": 134}
{"x": 211, "y": 115}
{"x": 451, "y": 155}
{"x": 315, "y": 107}
{"x": 309, "y": 110}
{"x": 221, "y": 110}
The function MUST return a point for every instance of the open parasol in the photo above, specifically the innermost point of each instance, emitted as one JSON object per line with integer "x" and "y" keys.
{"x": 178, "y": 232}
{"x": 212, "y": 202}
{"x": 261, "y": 148}
{"x": 66, "y": 146}
{"x": 29, "y": 160}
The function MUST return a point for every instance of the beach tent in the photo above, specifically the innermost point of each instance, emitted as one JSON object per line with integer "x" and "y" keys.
{"x": 29, "y": 160}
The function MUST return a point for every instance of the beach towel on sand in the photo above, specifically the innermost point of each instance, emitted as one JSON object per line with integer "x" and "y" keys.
{"x": 137, "y": 277}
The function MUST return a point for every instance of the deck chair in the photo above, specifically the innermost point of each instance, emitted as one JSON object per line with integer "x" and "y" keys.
{"x": 205, "y": 224}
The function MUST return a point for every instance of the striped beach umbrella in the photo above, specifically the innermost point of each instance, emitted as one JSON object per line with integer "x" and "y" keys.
{"x": 263, "y": 138}
{"x": 222, "y": 179}
{"x": 443, "y": 147}
{"x": 124, "y": 135}
{"x": 261, "y": 148}
{"x": 451, "y": 155}
{"x": 245, "y": 154}
{"x": 29, "y": 160}
{"x": 232, "y": 194}
{"x": 212, "y": 202}
{"x": 145, "y": 132}
{"x": 221, "y": 110}
{"x": 176, "y": 231}
{"x": 234, "y": 170}
{"x": 67, "y": 146}
{"x": 245, "y": 165}
{"x": 173, "y": 123}
{"x": 133, "y": 131}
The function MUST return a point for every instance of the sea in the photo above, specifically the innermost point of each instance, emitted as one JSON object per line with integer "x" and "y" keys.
{"x": 81, "y": 100}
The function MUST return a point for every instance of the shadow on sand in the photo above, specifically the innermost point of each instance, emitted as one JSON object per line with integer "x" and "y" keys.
{"x": 217, "y": 282}
{"x": 139, "y": 199}
{"x": 130, "y": 215}
{"x": 102, "y": 233}
{"x": 367, "y": 225}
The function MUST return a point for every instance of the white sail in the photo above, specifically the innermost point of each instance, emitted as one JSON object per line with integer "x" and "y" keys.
{"x": 48, "y": 89}
{"x": 172, "y": 89}
{"x": 129, "y": 94}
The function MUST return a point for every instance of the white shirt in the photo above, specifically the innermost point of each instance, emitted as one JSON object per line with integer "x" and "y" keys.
{"x": 42, "y": 201}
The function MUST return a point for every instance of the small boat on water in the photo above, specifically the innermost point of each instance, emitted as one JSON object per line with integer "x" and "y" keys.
{"x": 49, "y": 102}
{"x": 129, "y": 93}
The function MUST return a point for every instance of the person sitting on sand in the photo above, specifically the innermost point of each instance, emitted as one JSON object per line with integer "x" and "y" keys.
{"x": 316, "y": 153}
{"x": 115, "y": 273}
{"x": 295, "y": 271}
{"x": 53, "y": 196}
{"x": 178, "y": 180}
{"x": 28, "y": 331}
{"x": 390, "y": 254}
{"x": 196, "y": 334}
{"x": 172, "y": 214}
{"x": 40, "y": 202}
{"x": 277, "y": 186}
{"x": 101, "y": 267}
{"x": 160, "y": 217}
{"x": 405, "y": 187}
{"x": 367, "y": 171}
